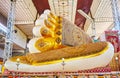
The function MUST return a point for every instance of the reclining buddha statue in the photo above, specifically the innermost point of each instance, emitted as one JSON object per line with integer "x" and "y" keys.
{"x": 57, "y": 38}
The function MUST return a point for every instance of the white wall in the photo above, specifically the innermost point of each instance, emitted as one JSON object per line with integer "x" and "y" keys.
{"x": 19, "y": 38}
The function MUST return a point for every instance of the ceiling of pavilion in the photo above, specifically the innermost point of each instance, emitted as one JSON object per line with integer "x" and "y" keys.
{"x": 65, "y": 8}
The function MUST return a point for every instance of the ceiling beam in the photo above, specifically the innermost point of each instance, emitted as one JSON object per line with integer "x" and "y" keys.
{"x": 24, "y": 22}
{"x": 21, "y": 51}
